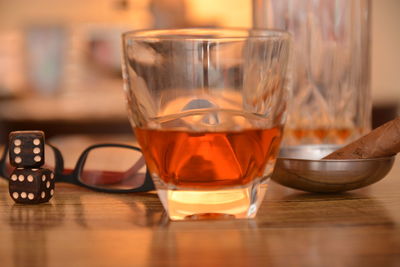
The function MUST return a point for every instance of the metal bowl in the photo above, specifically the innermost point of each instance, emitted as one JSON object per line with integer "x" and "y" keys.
{"x": 301, "y": 167}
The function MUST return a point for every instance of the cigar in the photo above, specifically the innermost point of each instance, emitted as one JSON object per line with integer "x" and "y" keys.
{"x": 381, "y": 142}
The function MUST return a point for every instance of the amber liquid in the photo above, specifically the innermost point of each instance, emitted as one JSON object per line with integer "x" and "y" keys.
{"x": 337, "y": 135}
{"x": 206, "y": 160}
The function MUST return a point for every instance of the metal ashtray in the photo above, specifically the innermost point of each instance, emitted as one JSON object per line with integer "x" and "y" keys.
{"x": 301, "y": 167}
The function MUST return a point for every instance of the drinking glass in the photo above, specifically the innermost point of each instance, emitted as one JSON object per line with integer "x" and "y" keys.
{"x": 207, "y": 107}
{"x": 331, "y": 100}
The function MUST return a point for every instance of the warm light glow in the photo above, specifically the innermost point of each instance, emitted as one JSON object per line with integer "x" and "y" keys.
{"x": 72, "y": 12}
{"x": 229, "y": 13}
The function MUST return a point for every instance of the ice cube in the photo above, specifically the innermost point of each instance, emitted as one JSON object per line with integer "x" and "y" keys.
{"x": 209, "y": 117}
{"x": 199, "y": 104}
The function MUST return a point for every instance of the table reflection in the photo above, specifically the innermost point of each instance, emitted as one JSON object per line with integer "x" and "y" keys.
{"x": 311, "y": 225}
{"x": 27, "y": 223}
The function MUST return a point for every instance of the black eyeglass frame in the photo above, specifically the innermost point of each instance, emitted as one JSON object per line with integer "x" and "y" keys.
{"x": 74, "y": 176}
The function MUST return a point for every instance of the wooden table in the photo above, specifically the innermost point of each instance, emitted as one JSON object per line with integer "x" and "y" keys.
{"x": 84, "y": 228}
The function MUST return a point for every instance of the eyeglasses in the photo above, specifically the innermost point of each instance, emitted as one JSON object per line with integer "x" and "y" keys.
{"x": 113, "y": 168}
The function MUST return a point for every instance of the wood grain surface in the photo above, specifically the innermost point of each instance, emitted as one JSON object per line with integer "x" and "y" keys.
{"x": 85, "y": 228}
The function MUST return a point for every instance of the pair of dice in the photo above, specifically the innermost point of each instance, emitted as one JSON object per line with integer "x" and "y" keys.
{"x": 29, "y": 183}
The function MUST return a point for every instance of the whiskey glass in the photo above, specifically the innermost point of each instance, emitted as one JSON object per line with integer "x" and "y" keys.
{"x": 207, "y": 107}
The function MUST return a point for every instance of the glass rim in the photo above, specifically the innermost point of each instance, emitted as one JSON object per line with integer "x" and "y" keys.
{"x": 204, "y": 33}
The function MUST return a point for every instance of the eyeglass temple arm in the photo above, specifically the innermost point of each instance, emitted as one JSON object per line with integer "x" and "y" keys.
{"x": 59, "y": 160}
{"x": 136, "y": 167}
{"x": 148, "y": 182}
{"x": 3, "y": 161}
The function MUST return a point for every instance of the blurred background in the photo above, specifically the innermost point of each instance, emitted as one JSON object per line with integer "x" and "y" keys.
{"x": 60, "y": 60}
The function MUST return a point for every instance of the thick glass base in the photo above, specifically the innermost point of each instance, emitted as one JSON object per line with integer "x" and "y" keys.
{"x": 186, "y": 204}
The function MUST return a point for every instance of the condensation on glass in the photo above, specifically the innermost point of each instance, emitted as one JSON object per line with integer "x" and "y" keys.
{"x": 331, "y": 100}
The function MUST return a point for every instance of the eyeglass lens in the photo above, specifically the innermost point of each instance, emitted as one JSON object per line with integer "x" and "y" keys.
{"x": 103, "y": 169}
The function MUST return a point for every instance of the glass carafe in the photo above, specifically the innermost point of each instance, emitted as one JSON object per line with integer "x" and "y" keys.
{"x": 331, "y": 100}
